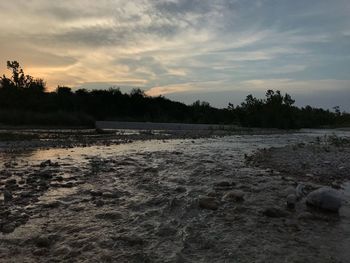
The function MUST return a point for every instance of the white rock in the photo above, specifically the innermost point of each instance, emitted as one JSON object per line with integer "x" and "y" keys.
{"x": 325, "y": 198}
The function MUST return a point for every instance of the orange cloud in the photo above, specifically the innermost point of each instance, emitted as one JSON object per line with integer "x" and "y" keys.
{"x": 163, "y": 90}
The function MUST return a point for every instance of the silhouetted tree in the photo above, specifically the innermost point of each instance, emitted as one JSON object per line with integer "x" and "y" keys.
{"x": 21, "y": 81}
{"x": 23, "y": 100}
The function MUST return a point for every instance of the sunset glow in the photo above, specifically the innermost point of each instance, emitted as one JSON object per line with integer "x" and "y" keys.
{"x": 217, "y": 50}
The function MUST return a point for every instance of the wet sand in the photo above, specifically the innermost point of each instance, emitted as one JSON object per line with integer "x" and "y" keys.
{"x": 171, "y": 200}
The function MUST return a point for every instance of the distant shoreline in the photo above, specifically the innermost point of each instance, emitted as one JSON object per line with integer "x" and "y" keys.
{"x": 161, "y": 126}
{"x": 30, "y": 138}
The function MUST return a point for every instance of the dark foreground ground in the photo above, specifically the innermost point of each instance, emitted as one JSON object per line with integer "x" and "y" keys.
{"x": 184, "y": 199}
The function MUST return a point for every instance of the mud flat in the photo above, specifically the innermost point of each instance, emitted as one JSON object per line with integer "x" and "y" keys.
{"x": 221, "y": 199}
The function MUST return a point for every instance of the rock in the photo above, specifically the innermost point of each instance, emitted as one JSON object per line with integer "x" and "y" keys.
{"x": 336, "y": 185}
{"x": 52, "y": 204}
{"x": 106, "y": 257}
{"x": 99, "y": 203}
{"x": 300, "y": 191}
{"x": 291, "y": 201}
{"x": 49, "y": 163}
{"x": 110, "y": 194}
{"x": 59, "y": 178}
{"x": 21, "y": 181}
{"x": 56, "y": 164}
{"x": 40, "y": 252}
{"x": 289, "y": 191}
{"x": 109, "y": 215}
{"x": 42, "y": 241}
{"x": 132, "y": 240}
{"x": 305, "y": 216}
{"x": 45, "y": 163}
{"x": 165, "y": 230}
{"x": 325, "y": 198}
{"x": 235, "y": 195}
{"x": 206, "y": 202}
{"x": 44, "y": 175}
{"x": 68, "y": 184}
{"x": 180, "y": 189}
{"x": 22, "y": 218}
{"x": 95, "y": 193}
{"x": 213, "y": 194}
{"x": 11, "y": 182}
{"x": 62, "y": 251}
{"x": 106, "y": 243}
{"x": 7, "y": 196}
{"x": 274, "y": 212}
{"x": 223, "y": 185}
{"x": 8, "y": 228}
{"x": 174, "y": 202}
{"x": 26, "y": 194}
{"x": 179, "y": 258}
{"x": 77, "y": 208}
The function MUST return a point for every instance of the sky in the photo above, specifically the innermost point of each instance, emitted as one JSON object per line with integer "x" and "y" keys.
{"x": 214, "y": 50}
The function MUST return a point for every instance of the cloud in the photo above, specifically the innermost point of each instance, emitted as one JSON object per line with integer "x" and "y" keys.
{"x": 175, "y": 88}
{"x": 180, "y": 46}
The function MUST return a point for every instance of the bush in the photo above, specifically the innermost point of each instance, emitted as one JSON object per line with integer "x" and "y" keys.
{"x": 55, "y": 119}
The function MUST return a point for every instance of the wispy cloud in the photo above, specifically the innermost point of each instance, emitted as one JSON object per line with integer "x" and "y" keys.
{"x": 180, "y": 46}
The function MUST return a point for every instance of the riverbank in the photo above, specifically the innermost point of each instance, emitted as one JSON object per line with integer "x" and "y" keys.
{"x": 324, "y": 160}
{"x": 31, "y": 139}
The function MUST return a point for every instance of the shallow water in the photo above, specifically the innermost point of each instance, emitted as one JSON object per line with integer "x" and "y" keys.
{"x": 136, "y": 202}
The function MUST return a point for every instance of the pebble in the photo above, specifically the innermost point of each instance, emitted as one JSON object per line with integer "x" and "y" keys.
{"x": 45, "y": 163}
{"x": 40, "y": 252}
{"x": 180, "y": 189}
{"x": 336, "y": 185}
{"x": 8, "y": 228}
{"x": 110, "y": 194}
{"x": 52, "y": 204}
{"x": 291, "y": 201}
{"x": 26, "y": 194}
{"x": 96, "y": 193}
{"x": 48, "y": 163}
{"x": 274, "y": 212}
{"x": 62, "y": 250}
{"x": 235, "y": 195}
{"x": 132, "y": 240}
{"x": 213, "y": 194}
{"x": 7, "y": 196}
{"x": 11, "y": 182}
{"x": 223, "y": 185}
{"x": 300, "y": 191}
{"x": 99, "y": 203}
{"x": 305, "y": 215}
{"x": 166, "y": 231}
{"x": 109, "y": 215}
{"x": 42, "y": 241}
{"x": 289, "y": 191}
{"x": 206, "y": 202}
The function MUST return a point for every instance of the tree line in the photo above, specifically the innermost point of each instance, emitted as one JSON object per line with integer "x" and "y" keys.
{"x": 25, "y": 101}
